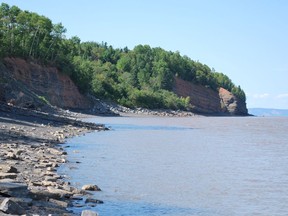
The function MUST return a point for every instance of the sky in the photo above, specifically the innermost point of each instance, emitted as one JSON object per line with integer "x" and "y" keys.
{"x": 247, "y": 40}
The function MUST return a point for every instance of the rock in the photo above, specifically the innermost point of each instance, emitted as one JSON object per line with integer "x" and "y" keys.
{"x": 92, "y": 200}
{"x": 23, "y": 202}
{"x": 54, "y": 151}
{"x": 51, "y": 169}
{"x": 10, "y": 207}
{"x": 19, "y": 152}
{"x": 13, "y": 189}
{"x": 42, "y": 195}
{"x": 48, "y": 183}
{"x": 231, "y": 103}
{"x": 7, "y": 168}
{"x": 11, "y": 155}
{"x": 206, "y": 100}
{"x": 59, "y": 192}
{"x": 51, "y": 178}
{"x": 89, "y": 213}
{"x": 78, "y": 205}
{"x": 8, "y": 175}
{"x": 91, "y": 187}
{"x": 77, "y": 197}
{"x": 59, "y": 202}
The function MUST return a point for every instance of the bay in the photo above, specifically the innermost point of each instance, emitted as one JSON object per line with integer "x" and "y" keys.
{"x": 184, "y": 166}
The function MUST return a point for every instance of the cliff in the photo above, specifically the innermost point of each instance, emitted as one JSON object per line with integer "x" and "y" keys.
{"x": 205, "y": 100}
{"x": 28, "y": 84}
{"x": 31, "y": 85}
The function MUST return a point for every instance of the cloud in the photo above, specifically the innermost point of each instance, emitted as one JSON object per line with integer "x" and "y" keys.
{"x": 266, "y": 100}
{"x": 260, "y": 96}
{"x": 281, "y": 96}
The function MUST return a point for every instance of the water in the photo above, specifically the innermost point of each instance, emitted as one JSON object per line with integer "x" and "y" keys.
{"x": 185, "y": 166}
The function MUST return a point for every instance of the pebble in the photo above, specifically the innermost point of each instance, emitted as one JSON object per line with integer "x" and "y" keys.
{"x": 28, "y": 162}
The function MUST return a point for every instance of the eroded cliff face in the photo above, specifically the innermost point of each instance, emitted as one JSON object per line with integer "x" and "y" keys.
{"x": 205, "y": 100}
{"x": 28, "y": 84}
{"x": 25, "y": 81}
{"x": 231, "y": 104}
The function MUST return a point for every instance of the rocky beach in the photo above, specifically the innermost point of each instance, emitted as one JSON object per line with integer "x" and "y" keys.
{"x": 29, "y": 156}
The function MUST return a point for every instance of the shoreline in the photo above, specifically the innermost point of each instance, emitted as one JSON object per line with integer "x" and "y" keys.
{"x": 29, "y": 156}
{"x": 31, "y": 152}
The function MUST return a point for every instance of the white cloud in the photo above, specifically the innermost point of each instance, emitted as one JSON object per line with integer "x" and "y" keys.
{"x": 282, "y": 96}
{"x": 260, "y": 96}
{"x": 266, "y": 100}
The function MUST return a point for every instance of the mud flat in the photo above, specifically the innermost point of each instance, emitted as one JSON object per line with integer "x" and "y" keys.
{"x": 30, "y": 152}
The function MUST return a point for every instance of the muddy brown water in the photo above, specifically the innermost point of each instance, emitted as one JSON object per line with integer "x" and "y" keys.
{"x": 185, "y": 166}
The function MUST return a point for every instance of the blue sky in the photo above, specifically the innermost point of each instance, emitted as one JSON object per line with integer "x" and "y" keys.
{"x": 246, "y": 40}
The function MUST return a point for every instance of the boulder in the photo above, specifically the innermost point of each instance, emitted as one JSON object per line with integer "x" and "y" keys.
{"x": 7, "y": 168}
{"x": 42, "y": 195}
{"x": 13, "y": 189}
{"x": 48, "y": 183}
{"x": 91, "y": 187}
{"x": 22, "y": 201}
{"x": 8, "y": 175}
{"x": 10, "y": 207}
{"x": 59, "y": 192}
{"x": 92, "y": 200}
{"x": 11, "y": 155}
{"x": 59, "y": 202}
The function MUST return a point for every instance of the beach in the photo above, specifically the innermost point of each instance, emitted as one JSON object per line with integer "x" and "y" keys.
{"x": 29, "y": 156}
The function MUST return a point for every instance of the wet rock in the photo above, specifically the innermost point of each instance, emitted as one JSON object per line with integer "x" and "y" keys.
{"x": 77, "y": 197}
{"x": 10, "y": 207}
{"x": 89, "y": 213}
{"x": 78, "y": 205}
{"x": 92, "y": 200}
{"x": 91, "y": 187}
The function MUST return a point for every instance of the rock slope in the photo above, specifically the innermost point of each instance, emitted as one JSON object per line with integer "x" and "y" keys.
{"x": 46, "y": 82}
{"x": 205, "y": 100}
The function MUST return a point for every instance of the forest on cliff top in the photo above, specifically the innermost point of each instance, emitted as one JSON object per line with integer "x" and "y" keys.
{"x": 141, "y": 77}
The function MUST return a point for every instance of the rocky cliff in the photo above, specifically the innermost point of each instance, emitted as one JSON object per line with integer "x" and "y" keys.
{"x": 29, "y": 84}
{"x": 231, "y": 104}
{"x": 205, "y": 100}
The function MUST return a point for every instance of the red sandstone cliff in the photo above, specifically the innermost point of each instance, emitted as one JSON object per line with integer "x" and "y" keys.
{"x": 32, "y": 81}
{"x": 205, "y": 100}
{"x": 26, "y": 84}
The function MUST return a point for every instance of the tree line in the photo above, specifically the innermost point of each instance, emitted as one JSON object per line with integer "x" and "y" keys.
{"x": 141, "y": 77}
